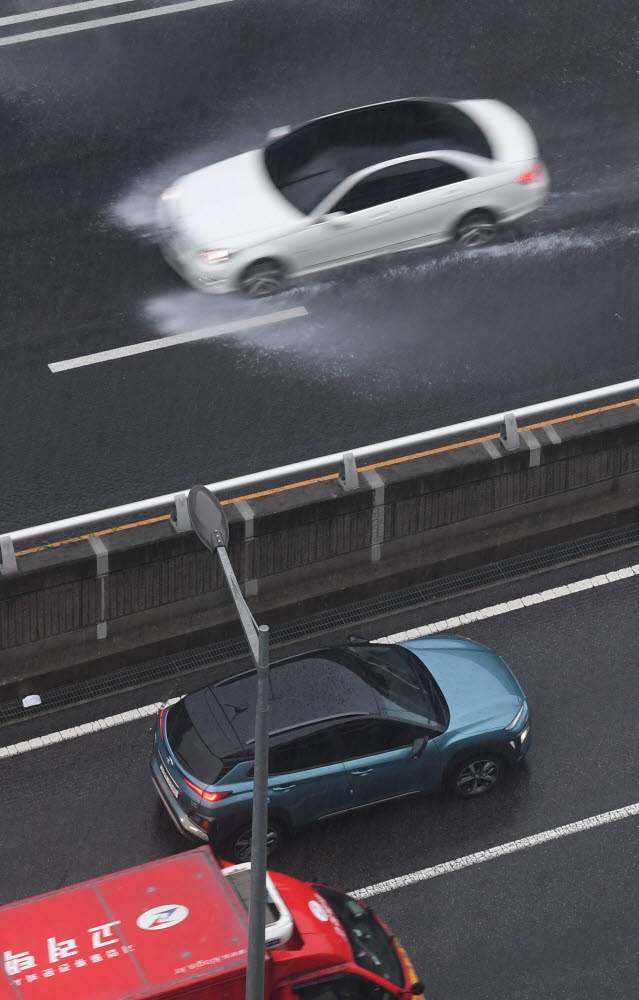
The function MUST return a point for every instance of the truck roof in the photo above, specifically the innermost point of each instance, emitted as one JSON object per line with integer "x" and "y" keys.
{"x": 153, "y": 927}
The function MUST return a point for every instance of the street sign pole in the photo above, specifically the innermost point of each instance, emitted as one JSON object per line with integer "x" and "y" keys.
{"x": 210, "y": 524}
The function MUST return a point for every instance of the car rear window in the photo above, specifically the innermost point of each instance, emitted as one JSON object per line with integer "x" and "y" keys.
{"x": 189, "y": 747}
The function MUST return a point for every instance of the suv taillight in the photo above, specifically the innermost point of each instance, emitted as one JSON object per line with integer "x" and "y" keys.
{"x": 208, "y": 796}
{"x": 531, "y": 175}
{"x": 162, "y": 711}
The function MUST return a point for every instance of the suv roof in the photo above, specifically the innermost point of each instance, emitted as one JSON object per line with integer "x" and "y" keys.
{"x": 304, "y": 689}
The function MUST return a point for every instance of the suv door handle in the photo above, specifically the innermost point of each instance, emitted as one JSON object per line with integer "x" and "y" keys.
{"x": 281, "y": 788}
{"x": 366, "y": 770}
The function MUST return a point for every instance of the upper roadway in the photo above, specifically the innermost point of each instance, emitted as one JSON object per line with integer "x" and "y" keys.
{"x": 96, "y": 122}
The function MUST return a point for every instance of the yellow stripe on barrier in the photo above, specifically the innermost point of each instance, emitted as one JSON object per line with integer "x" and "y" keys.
{"x": 334, "y": 475}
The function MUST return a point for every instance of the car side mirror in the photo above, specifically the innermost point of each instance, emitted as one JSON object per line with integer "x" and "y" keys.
{"x": 357, "y": 640}
{"x": 278, "y": 133}
{"x": 419, "y": 745}
{"x": 417, "y": 988}
{"x": 332, "y": 218}
{"x": 336, "y": 218}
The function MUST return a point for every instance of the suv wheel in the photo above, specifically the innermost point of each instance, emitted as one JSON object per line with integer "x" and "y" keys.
{"x": 476, "y": 775}
{"x": 239, "y": 845}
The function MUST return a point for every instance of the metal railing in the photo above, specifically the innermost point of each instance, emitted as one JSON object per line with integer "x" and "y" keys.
{"x": 343, "y": 465}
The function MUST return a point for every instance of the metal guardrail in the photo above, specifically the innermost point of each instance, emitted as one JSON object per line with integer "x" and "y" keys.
{"x": 342, "y": 465}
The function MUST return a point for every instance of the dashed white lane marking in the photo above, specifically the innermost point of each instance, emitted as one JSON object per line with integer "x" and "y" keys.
{"x": 601, "y": 819}
{"x": 67, "y": 8}
{"x": 415, "y": 633}
{"x": 103, "y": 22}
{"x": 253, "y": 323}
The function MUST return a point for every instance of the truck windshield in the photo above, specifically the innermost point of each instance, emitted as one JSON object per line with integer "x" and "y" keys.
{"x": 372, "y": 947}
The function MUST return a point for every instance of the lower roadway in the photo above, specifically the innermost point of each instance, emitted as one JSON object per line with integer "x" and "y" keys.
{"x": 554, "y": 920}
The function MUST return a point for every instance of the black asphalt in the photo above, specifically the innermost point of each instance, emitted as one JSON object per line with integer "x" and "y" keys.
{"x": 554, "y": 921}
{"x": 95, "y": 124}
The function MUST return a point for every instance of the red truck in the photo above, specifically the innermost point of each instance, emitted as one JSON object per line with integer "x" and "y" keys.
{"x": 179, "y": 928}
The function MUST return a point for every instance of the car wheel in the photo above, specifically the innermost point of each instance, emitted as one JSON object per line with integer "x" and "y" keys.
{"x": 239, "y": 845}
{"x": 476, "y": 229}
{"x": 264, "y": 277}
{"x": 476, "y": 775}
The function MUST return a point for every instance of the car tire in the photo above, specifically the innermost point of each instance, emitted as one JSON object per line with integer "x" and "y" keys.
{"x": 264, "y": 277}
{"x": 238, "y": 846}
{"x": 477, "y": 774}
{"x": 476, "y": 229}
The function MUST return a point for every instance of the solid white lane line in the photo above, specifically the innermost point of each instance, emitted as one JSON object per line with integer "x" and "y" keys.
{"x": 85, "y": 728}
{"x": 69, "y": 8}
{"x": 103, "y": 22}
{"x": 267, "y": 319}
{"x": 601, "y": 819}
{"x": 415, "y": 633}
{"x": 446, "y": 624}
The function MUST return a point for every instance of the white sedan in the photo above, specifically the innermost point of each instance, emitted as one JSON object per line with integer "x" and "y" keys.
{"x": 357, "y": 184}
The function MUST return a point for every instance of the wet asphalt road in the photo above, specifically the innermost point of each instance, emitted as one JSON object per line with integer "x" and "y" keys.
{"x": 556, "y": 921}
{"x": 95, "y": 124}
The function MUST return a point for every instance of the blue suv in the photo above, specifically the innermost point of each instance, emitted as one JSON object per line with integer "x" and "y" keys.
{"x": 350, "y": 726}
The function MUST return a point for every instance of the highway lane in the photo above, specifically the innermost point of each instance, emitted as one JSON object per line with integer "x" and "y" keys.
{"x": 556, "y": 918}
{"x": 97, "y": 123}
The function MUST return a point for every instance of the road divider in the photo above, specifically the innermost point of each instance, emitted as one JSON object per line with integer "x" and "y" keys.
{"x": 144, "y": 589}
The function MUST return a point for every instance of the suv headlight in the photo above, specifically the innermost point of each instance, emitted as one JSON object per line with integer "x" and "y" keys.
{"x": 214, "y": 256}
{"x": 518, "y": 718}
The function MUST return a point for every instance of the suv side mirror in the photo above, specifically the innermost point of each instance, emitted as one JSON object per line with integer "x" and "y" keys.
{"x": 419, "y": 745}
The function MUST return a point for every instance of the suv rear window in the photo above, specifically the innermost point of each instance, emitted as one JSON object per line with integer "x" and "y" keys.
{"x": 189, "y": 747}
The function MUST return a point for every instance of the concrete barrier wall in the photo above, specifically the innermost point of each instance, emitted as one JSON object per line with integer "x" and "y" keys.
{"x": 94, "y": 604}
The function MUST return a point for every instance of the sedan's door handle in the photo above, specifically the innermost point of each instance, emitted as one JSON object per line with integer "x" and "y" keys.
{"x": 281, "y": 788}
{"x": 380, "y": 215}
{"x": 366, "y": 770}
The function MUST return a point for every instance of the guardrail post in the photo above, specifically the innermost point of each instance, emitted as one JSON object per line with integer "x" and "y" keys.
{"x": 378, "y": 512}
{"x": 181, "y": 522}
{"x": 102, "y": 572}
{"x": 509, "y": 436}
{"x": 349, "y": 480}
{"x": 8, "y": 564}
{"x": 251, "y": 585}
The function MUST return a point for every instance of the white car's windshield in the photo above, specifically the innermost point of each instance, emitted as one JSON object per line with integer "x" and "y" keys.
{"x": 309, "y": 162}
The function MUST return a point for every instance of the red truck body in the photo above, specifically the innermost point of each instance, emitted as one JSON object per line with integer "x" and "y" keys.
{"x": 172, "y": 928}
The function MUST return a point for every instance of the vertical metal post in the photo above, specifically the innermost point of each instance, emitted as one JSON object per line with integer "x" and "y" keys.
{"x": 257, "y": 904}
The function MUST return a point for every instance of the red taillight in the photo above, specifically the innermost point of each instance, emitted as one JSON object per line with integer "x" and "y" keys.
{"x": 208, "y": 796}
{"x": 531, "y": 175}
{"x": 162, "y": 711}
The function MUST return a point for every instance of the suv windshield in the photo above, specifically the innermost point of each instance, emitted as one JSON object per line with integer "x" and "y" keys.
{"x": 404, "y": 687}
{"x": 373, "y": 949}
